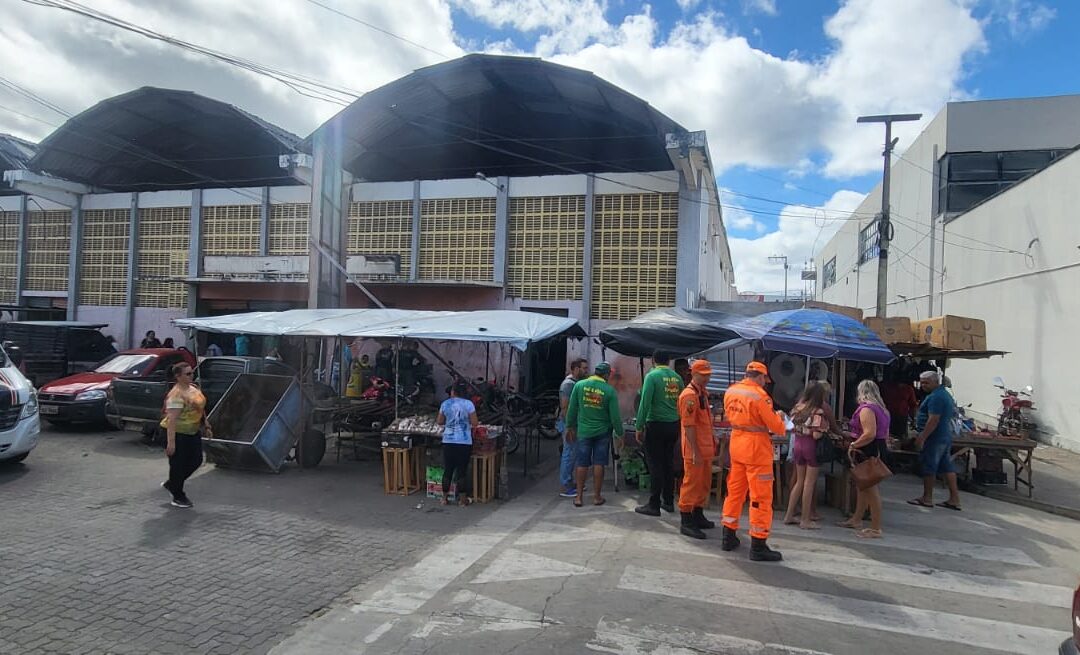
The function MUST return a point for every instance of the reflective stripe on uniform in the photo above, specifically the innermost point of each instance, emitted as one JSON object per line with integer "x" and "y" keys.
{"x": 749, "y": 428}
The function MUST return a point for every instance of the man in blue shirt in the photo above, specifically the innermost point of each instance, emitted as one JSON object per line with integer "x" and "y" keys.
{"x": 579, "y": 369}
{"x": 934, "y": 421}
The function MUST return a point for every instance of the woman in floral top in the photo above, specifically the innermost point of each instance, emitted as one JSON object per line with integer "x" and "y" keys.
{"x": 811, "y": 424}
{"x": 185, "y": 419}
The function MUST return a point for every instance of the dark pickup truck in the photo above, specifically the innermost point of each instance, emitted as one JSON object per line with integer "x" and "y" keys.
{"x": 137, "y": 403}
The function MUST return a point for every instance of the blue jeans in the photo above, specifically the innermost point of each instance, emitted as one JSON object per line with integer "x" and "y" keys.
{"x": 566, "y": 464}
{"x": 593, "y": 451}
{"x": 935, "y": 457}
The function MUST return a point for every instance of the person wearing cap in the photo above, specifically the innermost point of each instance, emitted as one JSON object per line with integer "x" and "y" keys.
{"x": 592, "y": 416}
{"x": 658, "y": 420}
{"x": 750, "y": 410}
{"x": 698, "y": 451}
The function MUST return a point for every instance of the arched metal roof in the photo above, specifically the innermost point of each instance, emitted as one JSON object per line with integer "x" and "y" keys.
{"x": 156, "y": 139}
{"x": 14, "y": 153}
{"x": 500, "y": 116}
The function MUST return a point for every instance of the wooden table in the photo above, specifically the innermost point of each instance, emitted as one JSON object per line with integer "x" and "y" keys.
{"x": 1017, "y": 451}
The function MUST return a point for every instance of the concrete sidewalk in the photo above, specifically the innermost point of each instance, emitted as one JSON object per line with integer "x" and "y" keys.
{"x": 1056, "y": 477}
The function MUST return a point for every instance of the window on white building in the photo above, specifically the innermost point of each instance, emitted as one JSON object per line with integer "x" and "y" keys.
{"x": 868, "y": 242}
{"x": 828, "y": 274}
{"x": 968, "y": 178}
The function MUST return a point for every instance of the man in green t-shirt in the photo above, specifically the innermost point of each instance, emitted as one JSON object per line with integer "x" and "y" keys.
{"x": 658, "y": 421}
{"x": 591, "y": 417}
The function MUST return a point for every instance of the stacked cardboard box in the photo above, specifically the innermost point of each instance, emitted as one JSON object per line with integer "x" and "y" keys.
{"x": 952, "y": 332}
{"x": 893, "y": 329}
{"x": 850, "y": 312}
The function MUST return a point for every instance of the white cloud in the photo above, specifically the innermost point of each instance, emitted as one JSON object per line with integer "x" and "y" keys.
{"x": 1024, "y": 18}
{"x": 800, "y": 232}
{"x": 767, "y": 7}
{"x": 687, "y": 5}
{"x": 567, "y": 25}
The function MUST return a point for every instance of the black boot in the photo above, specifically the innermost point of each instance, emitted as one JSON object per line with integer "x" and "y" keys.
{"x": 701, "y": 521}
{"x": 648, "y": 509}
{"x": 668, "y": 507}
{"x": 689, "y": 526}
{"x": 731, "y": 539}
{"x": 760, "y": 551}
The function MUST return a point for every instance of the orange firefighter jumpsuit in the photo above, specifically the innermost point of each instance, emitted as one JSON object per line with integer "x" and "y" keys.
{"x": 750, "y": 410}
{"x": 697, "y": 479}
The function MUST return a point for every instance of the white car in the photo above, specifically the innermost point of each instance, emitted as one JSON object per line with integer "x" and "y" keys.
{"x": 19, "y": 423}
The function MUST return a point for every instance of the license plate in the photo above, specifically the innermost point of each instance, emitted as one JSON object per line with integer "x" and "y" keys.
{"x": 49, "y": 409}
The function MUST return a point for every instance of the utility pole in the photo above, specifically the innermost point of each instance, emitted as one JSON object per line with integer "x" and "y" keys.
{"x": 884, "y": 224}
{"x": 776, "y": 259}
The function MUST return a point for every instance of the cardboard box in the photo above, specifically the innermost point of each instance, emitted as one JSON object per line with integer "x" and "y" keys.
{"x": 893, "y": 329}
{"x": 850, "y": 312}
{"x": 954, "y": 332}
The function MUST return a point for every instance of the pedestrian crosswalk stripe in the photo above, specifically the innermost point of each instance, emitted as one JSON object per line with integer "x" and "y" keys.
{"x": 513, "y": 564}
{"x": 923, "y": 577}
{"x": 550, "y": 533}
{"x": 926, "y": 545}
{"x": 886, "y": 617}
{"x": 631, "y": 637}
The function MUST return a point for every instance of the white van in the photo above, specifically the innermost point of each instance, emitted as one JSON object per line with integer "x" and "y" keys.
{"x": 19, "y": 423}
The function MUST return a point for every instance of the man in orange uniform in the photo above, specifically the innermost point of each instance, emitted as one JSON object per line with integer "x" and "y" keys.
{"x": 698, "y": 451}
{"x": 750, "y": 410}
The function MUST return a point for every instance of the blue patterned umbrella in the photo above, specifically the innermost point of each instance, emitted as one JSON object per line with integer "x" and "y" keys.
{"x": 815, "y": 333}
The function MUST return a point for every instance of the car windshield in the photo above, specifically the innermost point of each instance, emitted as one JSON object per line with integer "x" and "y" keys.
{"x": 129, "y": 364}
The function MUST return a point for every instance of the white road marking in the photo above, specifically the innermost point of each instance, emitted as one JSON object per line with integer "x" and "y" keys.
{"x": 379, "y": 632}
{"x": 970, "y": 631}
{"x": 615, "y": 504}
{"x": 482, "y": 606}
{"x": 410, "y": 589}
{"x": 513, "y": 564}
{"x": 631, "y": 637}
{"x": 921, "y": 544}
{"x": 550, "y": 533}
{"x": 911, "y": 575}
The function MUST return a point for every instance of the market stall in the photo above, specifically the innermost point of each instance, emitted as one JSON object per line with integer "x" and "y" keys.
{"x": 511, "y": 330}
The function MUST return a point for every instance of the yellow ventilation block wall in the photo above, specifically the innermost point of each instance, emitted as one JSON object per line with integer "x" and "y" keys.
{"x": 164, "y": 233}
{"x": 289, "y": 229}
{"x": 382, "y": 227}
{"x": 634, "y": 254}
{"x": 457, "y": 239}
{"x": 9, "y": 250}
{"x": 545, "y": 249}
{"x": 231, "y": 230}
{"x": 48, "y": 238}
{"x": 103, "y": 275}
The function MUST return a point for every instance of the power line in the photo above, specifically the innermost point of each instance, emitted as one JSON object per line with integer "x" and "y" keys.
{"x": 378, "y": 29}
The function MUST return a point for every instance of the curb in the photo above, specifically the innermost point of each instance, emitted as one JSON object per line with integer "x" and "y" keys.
{"x": 1049, "y": 508}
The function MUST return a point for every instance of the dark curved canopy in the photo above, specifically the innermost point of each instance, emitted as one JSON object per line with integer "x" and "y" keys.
{"x": 158, "y": 139}
{"x": 14, "y": 153}
{"x": 500, "y": 116}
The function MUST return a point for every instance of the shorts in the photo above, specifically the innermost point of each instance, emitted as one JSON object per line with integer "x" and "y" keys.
{"x": 935, "y": 458}
{"x": 804, "y": 452}
{"x": 592, "y": 451}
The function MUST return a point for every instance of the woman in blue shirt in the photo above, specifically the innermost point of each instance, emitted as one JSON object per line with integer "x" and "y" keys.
{"x": 458, "y": 414}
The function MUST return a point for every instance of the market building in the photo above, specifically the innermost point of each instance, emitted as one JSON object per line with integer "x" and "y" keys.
{"x": 486, "y": 182}
{"x": 982, "y": 206}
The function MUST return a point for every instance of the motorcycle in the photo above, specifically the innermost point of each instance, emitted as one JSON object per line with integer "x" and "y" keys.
{"x": 1016, "y": 407}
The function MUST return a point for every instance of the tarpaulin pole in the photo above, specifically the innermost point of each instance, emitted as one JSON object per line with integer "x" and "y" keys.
{"x": 397, "y": 377}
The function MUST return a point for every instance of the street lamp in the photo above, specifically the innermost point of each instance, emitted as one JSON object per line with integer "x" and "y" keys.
{"x": 777, "y": 259}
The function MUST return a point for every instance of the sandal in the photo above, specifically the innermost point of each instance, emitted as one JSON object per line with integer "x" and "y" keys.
{"x": 868, "y": 533}
{"x": 918, "y": 502}
{"x": 599, "y": 501}
{"x": 809, "y": 526}
{"x": 791, "y": 521}
{"x": 849, "y": 525}
{"x": 577, "y": 502}
{"x": 948, "y": 505}
{"x": 465, "y": 501}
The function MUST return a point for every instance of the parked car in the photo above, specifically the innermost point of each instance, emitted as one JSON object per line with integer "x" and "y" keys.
{"x": 54, "y": 349}
{"x": 1071, "y": 646}
{"x": 136, "y": 402}
{"x": 81, "y": 398}
{"x": 19, "y": 422}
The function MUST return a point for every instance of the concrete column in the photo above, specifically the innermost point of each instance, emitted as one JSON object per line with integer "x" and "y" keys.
{"x": 20, "y": 251}
{"x": 132, "y": 271}
{"x": 689, "y": 243}
{"x": 414, "y": 246}
{"x": 75, "y": 260}
{"x": 587, "y": 255}
{"x": 195, "y": 251}
{"x": 329, "y": 211}
{"x": 264, "y": 223}
{"x": 502, "y": 227}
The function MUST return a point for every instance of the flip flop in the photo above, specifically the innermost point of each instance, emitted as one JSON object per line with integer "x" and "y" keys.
{"x": 845, "y": 524}
{"x": 948, "y": 505}
{"x": 919, "y": 503}
{"x": 599, "y": 501}
{"x": 577, "y": 503}
{"x": 868, "y": 533}
{"x": 792, "y": 522}
{"x": 810, "y": 526}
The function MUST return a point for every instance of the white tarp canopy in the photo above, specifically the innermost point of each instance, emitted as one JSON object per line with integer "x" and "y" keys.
{"x": 497, "y": 326}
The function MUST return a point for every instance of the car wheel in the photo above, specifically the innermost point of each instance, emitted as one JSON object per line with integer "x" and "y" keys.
{"x": 16, "y": 459}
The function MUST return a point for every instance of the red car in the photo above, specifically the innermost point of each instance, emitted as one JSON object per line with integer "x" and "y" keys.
{"x": 81, "y": 398}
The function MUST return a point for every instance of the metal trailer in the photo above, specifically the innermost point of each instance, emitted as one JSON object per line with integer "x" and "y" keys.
{"x": 258, "y": 422}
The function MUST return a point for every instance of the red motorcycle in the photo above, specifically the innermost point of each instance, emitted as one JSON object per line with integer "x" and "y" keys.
{"x": 1016, "y": 407}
